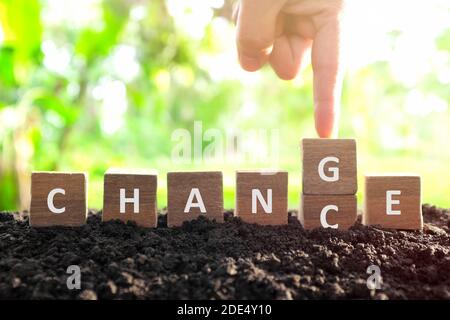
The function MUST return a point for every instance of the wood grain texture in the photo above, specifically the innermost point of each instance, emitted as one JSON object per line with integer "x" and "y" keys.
{"x": 312, "y": 206}
{"x": 180, "y": 185}
{"x": 246, "y": 181}
{"x": 74, "y": 200}
{"x": 375, "y": 207}
{"x": 145, "y": 182}
{"x": 314, "y": 150}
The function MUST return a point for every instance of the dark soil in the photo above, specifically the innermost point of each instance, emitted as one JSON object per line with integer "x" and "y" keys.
{"x": 234, "y": 260}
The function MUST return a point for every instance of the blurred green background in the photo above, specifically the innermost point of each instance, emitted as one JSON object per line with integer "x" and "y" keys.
{"x": 90, "y": 84}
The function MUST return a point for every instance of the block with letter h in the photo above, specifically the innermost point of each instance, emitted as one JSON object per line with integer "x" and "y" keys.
{"x": 393, "y": 201}
{"x": 58, "y": 199}
{"x": 329, "y": 184}
{"x": 130, "y": 195}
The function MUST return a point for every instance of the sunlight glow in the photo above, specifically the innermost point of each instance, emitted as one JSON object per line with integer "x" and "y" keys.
{"x": 191, "y": 15}
{"x": 124, "y": 63}
{"x": 417, "y": 103}
{"x": 56, "y": 59}
{"x": 9, "y": 118}
{"x": 114, "y": 104}
{"x": 138, "y": 12}
{"x": 399, "y": 32}
{"x": 76, "y": 13}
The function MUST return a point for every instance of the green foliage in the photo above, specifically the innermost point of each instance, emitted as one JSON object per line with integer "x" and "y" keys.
{"x": 22, "y": 32}
{"x": 94, "y": 44}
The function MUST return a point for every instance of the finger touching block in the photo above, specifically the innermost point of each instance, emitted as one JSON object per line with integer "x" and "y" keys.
{"x": 329, "y": 166}
{"x": 130, "y": 195}
{"x": 261, "y": 197}
{"x": 194, "y": 194}
{"x": 330, "y": 211}
{"x": 393, "y": 202}
{"x": 58, "y": 199}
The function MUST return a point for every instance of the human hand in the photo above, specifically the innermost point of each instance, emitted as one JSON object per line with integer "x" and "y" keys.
{"x": 282, "y": 32}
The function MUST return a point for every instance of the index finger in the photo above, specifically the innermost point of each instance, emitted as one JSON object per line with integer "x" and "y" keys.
{"x": 327, "y": 69}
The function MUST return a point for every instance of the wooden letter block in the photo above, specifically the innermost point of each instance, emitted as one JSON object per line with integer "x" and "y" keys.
{"x": 58, "y": 199}
{"x": 329, "y": 166}
{"x": 393, "y": 202}
{"x": 192, "y": 194}
{"x": 261, "y": 197}
{"x": 130, "y": 195}
{"x": 329, "y": 211}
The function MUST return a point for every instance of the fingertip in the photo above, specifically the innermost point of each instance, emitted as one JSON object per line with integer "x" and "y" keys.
{"x": 326, "y": 121}
{"x": 287, "y": 76}
{"x": 324, "y": 132}
{"x": 250, "y": 63}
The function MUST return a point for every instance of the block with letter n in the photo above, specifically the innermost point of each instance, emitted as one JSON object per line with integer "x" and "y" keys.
{"x": 262, "y": 197}
{"x": 194, "y": 194}
{"x": 130, "y": 195}
{"x": 58, "y": 199}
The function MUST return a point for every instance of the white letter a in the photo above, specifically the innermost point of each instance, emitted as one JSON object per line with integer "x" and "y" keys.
{"x": 195, "y": 192}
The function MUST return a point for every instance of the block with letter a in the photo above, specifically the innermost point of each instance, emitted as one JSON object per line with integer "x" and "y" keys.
{"x": 393, "y": 201}
{"x": 130, "y": 195}
{"x": 261, "y": 197}
{"x": 194, "y": 194}
{"x": 58, "y": 199}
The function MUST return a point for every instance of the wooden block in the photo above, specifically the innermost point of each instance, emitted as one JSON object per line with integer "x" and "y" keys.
{"x": 329, "y": 166}
{"x": 261, "y": 197}
{"x": 130, "y": 195}
{"x": 58, "y": 199}
{"x": 328, "y": 211}
{"x": 192, "y": 194}
{"x": 393, "y": 202}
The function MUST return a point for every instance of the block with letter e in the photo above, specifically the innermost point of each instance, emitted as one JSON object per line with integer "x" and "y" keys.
{"x": 261, "y": 197}
{"x": 194, "y": 194}
{"x": 130, "y": 195}
{"x": 329, "y": 166}
{"x": 393, "y": 201}
{"x": 58, "y": 199}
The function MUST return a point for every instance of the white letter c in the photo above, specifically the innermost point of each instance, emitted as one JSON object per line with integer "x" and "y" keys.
{"x": 323, "y": 216}
{"x": 50, "y": 197}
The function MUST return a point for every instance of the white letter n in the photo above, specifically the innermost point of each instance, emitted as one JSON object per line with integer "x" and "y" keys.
{"x": 257, "y": 195}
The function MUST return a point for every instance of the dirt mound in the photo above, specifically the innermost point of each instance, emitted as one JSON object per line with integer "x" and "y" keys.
{"x": 234, "y": 260}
